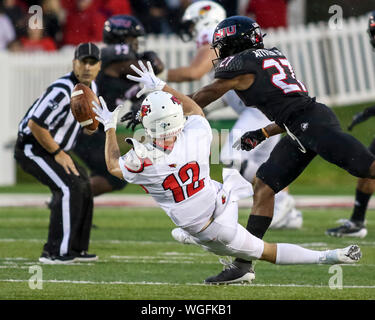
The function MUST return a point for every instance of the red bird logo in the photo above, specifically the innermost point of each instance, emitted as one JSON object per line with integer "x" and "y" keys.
{"x": 145, "y": 110}
{"x": 175, "y": 100}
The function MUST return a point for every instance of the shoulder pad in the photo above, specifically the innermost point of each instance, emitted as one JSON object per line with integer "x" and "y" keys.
{"x": 139, "y": 149}
{"x": 132, "y": 162}
{"x": 228, "y": 66}
{"x": 145, "y": 150}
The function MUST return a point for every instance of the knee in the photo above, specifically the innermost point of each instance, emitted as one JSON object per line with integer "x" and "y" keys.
{"x": 366, "y": 185}
{"x": 227, "y": 235}
{"x": 262, "y": 190}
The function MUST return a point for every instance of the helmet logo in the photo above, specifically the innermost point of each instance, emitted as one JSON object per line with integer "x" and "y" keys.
{"x": 204, "y": 9}
{"x": 121, "y": 23}
{"x": 224, "y": 32}
{"x": 145, "y": 110}
{"x": 175, "y": 100}
{"x": 164, "y": 125}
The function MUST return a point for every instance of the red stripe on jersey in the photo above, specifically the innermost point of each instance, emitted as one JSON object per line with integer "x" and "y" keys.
{"x": 144, "y": 188}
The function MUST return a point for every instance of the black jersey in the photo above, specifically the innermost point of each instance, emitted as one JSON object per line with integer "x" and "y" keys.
{"x": 116, "y": 90}
{"x": 276, "y": 91}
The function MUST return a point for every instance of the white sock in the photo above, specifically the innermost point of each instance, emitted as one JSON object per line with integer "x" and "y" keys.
{"x": 292, "y": 254}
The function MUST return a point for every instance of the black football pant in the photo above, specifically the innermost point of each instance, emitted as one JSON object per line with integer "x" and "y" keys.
{"x": 315, "y": 131}
{"x": 72, "y": 200}
{"x": 90, "y": 148}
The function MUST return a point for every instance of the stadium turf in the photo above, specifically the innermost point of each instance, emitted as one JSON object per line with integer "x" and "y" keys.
{"x": 139, "y": 260}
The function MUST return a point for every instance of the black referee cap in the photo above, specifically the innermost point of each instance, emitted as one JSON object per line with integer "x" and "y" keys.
{"x": 87, "y": 50}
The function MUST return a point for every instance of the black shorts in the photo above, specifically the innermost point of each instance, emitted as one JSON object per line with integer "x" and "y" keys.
{"x": 372, "y": 147}
{"x": 315, "y": 131}
{"x": 91, "y": 151}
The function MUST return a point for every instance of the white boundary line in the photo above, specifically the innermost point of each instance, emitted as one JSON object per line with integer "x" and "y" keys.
{"x": 288, "y": 285}
{"x": 146, "y": 201}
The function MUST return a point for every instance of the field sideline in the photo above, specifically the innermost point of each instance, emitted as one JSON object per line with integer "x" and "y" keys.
{"x": 139, "y": 260}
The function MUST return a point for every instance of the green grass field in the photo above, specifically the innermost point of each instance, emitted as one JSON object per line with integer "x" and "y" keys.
{"x": 139, "y": 260}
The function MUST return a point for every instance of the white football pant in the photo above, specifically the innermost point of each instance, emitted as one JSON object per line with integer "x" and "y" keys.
{"x": 226, "y": 237}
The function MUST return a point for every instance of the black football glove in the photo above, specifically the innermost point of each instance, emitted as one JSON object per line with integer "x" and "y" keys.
{"x": 361, "y": 117}
{"x": 156, "y": 63}
{"x": 132, "y": 117}
{"x": 249, "y": 140}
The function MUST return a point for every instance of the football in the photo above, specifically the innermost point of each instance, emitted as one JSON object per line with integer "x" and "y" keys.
{"x": 81, "y": 106}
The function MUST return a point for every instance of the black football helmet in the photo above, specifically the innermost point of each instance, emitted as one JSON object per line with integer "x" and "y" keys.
{"x": 117, "y": 28}
{"x": 371, "y": 28}
{"x": 236, "y": 34}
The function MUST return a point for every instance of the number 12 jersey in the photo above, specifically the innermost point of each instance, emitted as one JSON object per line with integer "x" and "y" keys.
{"x": 180, "y": 180}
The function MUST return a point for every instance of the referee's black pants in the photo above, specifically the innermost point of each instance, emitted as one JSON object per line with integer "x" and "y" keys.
{"x": 72, "y": 199}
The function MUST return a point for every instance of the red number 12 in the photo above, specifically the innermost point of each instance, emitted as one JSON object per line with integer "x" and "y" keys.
{"x": 171, "y": 182}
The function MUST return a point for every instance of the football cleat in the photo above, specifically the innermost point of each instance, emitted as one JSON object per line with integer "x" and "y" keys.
{"x": 351, "y": 254}
{"x": 233, "y": 273}
{"x": 348, "y": 229}
{"x": 294, "y": 219}
{"x": 182, "y": 236}
{"x": 84, "y": 256}
{"x": 46, "y": 258}
{"x": 281, "y": 211}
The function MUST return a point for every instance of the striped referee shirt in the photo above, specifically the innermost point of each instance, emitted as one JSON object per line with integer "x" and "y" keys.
{"x": 52, "y": 112}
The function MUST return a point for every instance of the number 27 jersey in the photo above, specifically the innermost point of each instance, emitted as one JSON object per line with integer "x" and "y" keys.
{"x": 180, "y": 182}
{"x": 276, "y": 91}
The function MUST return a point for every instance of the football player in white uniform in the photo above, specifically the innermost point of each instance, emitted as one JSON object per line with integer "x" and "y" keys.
{"x": 174, "y": 168}
{"x": 199, "y": 22}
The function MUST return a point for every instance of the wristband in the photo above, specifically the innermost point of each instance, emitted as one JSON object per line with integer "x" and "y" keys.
{"x": 265, "y": 133}
{"x": 56, "y": 152}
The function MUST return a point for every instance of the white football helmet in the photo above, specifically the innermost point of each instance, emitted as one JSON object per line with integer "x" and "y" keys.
{"x": 201, "y": 15}
{"x": 162, "y": 115}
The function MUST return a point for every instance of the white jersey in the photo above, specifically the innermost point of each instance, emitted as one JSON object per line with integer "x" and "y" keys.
{"x": 180, "y": 181}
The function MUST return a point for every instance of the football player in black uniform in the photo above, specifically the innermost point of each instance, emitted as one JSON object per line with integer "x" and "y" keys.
{"x": 355, "y": 227}
{"x": 120, "y": 34}
{"x": 264, "y": 78}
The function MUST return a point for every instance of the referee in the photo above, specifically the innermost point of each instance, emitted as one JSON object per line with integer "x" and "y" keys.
{"x": 46, "y": 133}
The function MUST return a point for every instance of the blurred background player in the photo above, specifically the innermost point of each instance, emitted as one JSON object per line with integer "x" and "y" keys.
{"x": 355, "y": 226}
{"x": 46, "y": 134}
{"x": 174, "y": 166}
{"x": 120, "y": 36}
{"x": 198, "y": 24}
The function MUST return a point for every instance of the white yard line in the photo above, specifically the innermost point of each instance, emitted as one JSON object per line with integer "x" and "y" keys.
{"x": 287, "y": 285}
{"x": 146, "y": 201}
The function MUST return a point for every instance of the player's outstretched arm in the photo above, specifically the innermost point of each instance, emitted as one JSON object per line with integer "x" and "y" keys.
{"x": 112, "y": 150}
{"x": 152, "y": 83}
{"x": 219, "y": 87}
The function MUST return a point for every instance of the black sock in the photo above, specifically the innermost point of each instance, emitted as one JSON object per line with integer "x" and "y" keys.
{"x": 257, "y": 226}
{"x": 360, "y": 206}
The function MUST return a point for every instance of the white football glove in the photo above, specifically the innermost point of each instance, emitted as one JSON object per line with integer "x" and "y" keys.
{"x": 150, "y": 82}
{"x": 104, "y": 116}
